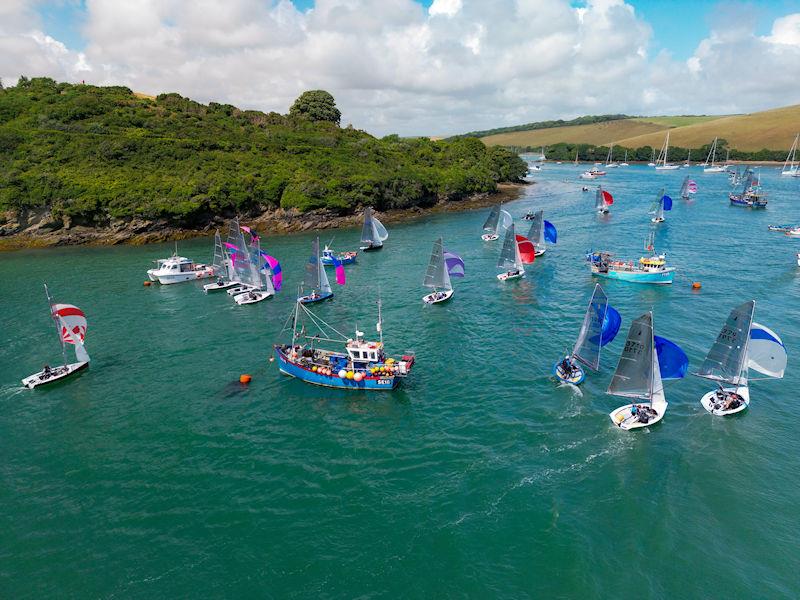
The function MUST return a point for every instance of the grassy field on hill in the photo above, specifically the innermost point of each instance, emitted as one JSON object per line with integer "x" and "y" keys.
{"x": 773, "y": 130}
{"x": 90, "y": 154}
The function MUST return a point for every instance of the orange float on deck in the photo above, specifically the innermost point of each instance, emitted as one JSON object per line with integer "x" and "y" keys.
{"x": 244, "y": 378}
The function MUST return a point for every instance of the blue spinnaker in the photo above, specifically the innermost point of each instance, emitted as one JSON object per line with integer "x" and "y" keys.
{"x": 550, "y": 233}
{"x": 667, "y": 202}
{"x": 672, "y": 360}
{"x": 455, "y": 264}
{"x": 611, "y": 324}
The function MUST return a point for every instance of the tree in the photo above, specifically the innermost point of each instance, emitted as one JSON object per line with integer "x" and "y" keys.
{"x": 316, "y": 105}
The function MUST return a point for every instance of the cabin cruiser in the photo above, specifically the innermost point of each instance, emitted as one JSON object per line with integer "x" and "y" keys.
{"x": 176, "y": 269}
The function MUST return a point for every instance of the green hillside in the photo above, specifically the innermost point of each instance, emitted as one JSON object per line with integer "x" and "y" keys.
{"x": 96, "y": 153}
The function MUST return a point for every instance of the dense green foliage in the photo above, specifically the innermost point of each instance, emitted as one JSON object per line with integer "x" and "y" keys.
{"x": 587, "y": 152}
{"x": 586, "y": 120}
{"x": 316, "y": 105}
{"x": 94, "y": 153}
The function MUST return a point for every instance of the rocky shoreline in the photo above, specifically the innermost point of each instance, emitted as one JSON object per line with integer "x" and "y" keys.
{"x": 41, "y": 230}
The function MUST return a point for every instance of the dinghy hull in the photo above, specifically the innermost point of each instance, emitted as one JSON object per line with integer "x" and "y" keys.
{"x": 575, "y": 378}
{"x": 438, "y": 297}
{"x": 60, "y": 373}
{"x": 714, "y": 405}
{"x": 623, "y": 418}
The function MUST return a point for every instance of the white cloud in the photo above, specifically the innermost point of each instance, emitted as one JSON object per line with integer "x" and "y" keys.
{"x": 395, "y": 67}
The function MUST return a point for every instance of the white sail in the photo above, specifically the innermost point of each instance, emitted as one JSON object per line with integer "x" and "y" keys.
{"x": 220, "y": 260}
{"x": 599, "y": 202}
{"x": 380, "y": 230}
{"x": 685, "y": 187}
{"x": 436, "y": 276}
{"x": 658, "y": 400}
{"x": 369, "y": 232}
{"x": 315, "y": 278}
{"x": 726, "y": 360}
{"x": 490, "y": 226}
{"x": 264, "y": 272}
{"x": 509, "y": 255}
{"x": 790, "y": 166}
{"x": 658, "y": 206}
{"x": 72, "y": 326}
{"x": 536, "y": 232}
{"x": 766, "y": 352}
{"x": 506, "y": 220}
{"x": 634, "y": 376}
{"x": 587, "y": 346}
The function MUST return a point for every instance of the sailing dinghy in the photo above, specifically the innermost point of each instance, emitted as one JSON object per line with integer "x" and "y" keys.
{"x": 688, "y": 188}
{"x": 510, "y": 259}
{"x": 646, "y": 361}
{"x": 373, "y": 233}
{"x": 661, "y": 204}
{"x": 259, "y": 284}
{"x": 437, "y": 276}
{"x": 541, "y": 232}
{"x": 740, "y": 346}
{"x": 71, "y": 327}
{"x": 497, "y": 220}
{"x": 316, "y": 279}
{"x": 221, "y": 265}
{"x": 600, "y": 326}
{"x": 602, "y": 200}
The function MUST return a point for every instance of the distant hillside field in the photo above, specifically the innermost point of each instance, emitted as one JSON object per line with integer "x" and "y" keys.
{"x": 772, "y": 129}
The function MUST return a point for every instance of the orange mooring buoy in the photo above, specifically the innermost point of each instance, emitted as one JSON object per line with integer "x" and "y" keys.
{"x": 147, "y": 283}
{"x": 696, "y": 285}
{"x": 244, "y": 378}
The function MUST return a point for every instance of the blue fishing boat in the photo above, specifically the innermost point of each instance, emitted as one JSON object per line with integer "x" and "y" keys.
{"x": 362, "y": 365}
{"x": 316, "y": 280}
{"x": 648, "y": 269}
{"x": 751, "y": 196}
{"x": 601, "y": 323}
{"x": 329, "y": 257}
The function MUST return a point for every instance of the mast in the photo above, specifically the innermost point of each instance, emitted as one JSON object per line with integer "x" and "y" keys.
{"x": 791, "y": 157}
{"x": 380, "y": 320}
{"x": 56, "y": 319}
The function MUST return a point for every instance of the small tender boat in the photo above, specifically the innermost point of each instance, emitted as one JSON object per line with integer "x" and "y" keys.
{"x": 601, "y": 323}
{"x": 541, "y": 231}
{"x": 592, "y": 173}
{"x": 661, "y": 204}
{"x": 688, "y": 188}
{"x": 442, "y": 264}
{"x": 177, "y": 269}
{"x": 373, "y": 233}
{"x": 791, "y": 231}
{"x": 329, "y": 258}
{"x": 316, "y": 279}
{"x": 510, "y": 259}
{"x": 645, "y": 363}
{"x": 782, "y": 228}
{"x": 751, "y": 196}
{"x": 362, "y": 366}
{"x": 740, "y": 346}
{"x": 648, "y": 269}
{"x": 602, "y": 200}
{"x": 71, "y": 325}
{"x": 223, "y": 269}
{"x": 497, "y": 221}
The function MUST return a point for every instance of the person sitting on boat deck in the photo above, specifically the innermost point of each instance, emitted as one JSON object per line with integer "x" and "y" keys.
{"x": 567, "y": 368}
{"x": 220, "y": 280}
{"x": 46, "y": 372}
{"x": 731, "y": 400}
{"x": 635, "y": 411}
{"x": 252, "y": 296}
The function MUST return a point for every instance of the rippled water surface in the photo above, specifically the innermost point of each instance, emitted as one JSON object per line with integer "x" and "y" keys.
{"x": 155, "y": 474}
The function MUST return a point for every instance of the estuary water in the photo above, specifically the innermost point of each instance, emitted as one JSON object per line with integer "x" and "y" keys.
{"x": 155, "y": 474}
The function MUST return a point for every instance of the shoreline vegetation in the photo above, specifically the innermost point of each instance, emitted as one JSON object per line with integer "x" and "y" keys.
{"x": 82, "y": 164}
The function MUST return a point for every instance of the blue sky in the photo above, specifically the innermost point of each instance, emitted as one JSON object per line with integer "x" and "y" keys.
{"x": 678, "y": 25}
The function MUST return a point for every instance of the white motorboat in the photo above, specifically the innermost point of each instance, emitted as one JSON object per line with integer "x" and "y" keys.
{"x": 640, "y": 375}
{"x": 741, "y": 345}
{"x": 177, "y": 269}
{"x": 71, "y": 325}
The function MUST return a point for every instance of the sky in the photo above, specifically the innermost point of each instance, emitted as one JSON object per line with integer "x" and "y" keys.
{"x": 422, "y": 67}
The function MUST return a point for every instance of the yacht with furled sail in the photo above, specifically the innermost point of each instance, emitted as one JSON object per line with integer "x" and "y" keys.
{"x": 373, "y": 233}
{"x": 651, "y": 269}
{"x": 661, "y": 204}
{"x": 602, "y": 200}
{"x": 497, "y": 221}
{"x": 510, "y": 260}
{"x": 541, "y": 232}
{"x": 688, "y": 162}
{"x": 688, "y": 188}
{"x": 610, "y": 164}
{"x": 70, "y": 323}
{"x": 647, "y": 360}
{"x": 437, "y": 277}
{"x": 710, "y": 166}
{"x": 362, "y": 365}
{"x": 315, "y": 280}
{"x": 661, "y": 163}
{"x": 624, "y": 162}
{"x": 752, "y": 195}
{"x": 740, "y": 346}
{"x": 652, "y": 162}
{"x": 177, "y": 269}
{"x": 601, "y": 323}
{"x": 790, "y": 165}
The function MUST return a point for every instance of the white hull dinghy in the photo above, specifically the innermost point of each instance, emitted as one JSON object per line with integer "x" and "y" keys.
{"x": 221, "y": 264}
{"x": 441, "y": 265}
{"x": 741, "y": 345}
{"x": 541, "y": 232}
{"x": 71, "y": 325}
{"x": 600, "y": 326}
{"x": 315, "y": 279}
{"x": 646, "y": 361}
{"x": 510, "y": 258}
{"x": 661, "y": 204}
{"x": 497, "y": 221}
{"x": 373, "y": 233}
{"x": 252, "y": 297}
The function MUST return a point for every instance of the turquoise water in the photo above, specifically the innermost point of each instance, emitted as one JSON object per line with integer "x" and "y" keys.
{"x": 156, "y": 474}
